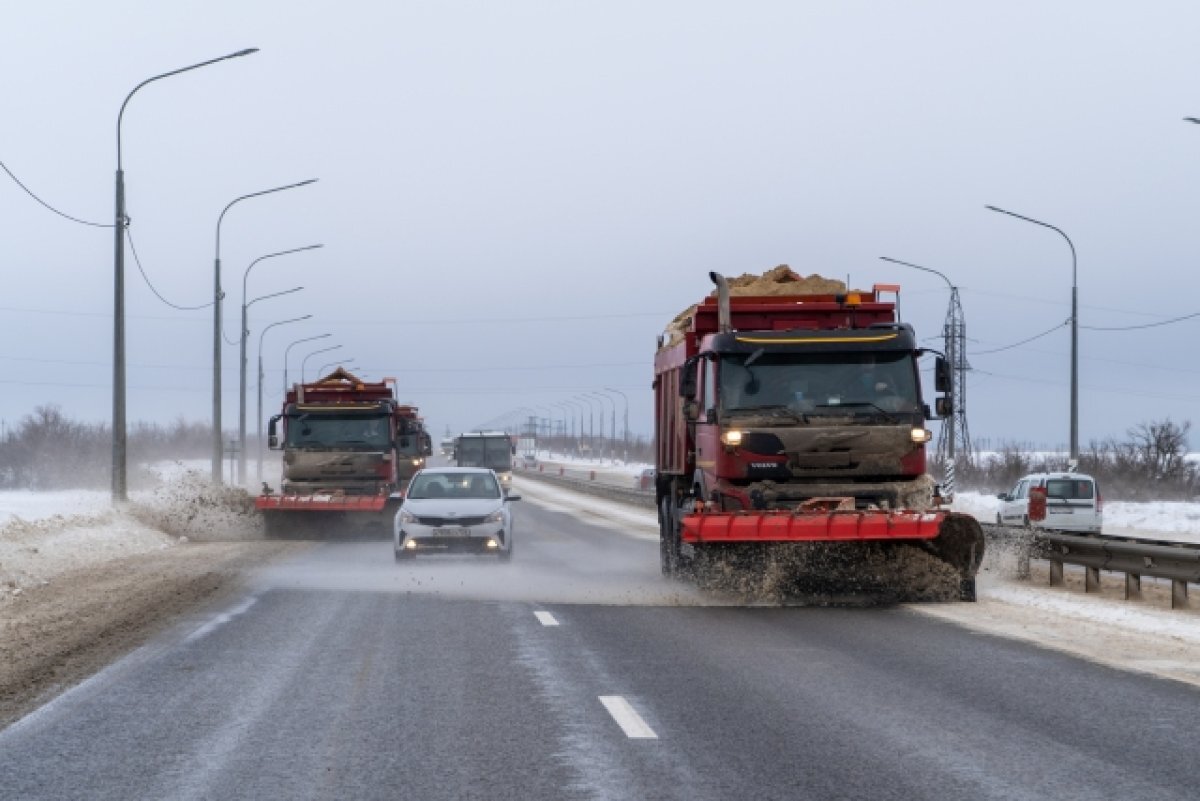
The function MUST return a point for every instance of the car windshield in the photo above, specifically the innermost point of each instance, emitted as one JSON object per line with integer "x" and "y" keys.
{"x": 429, "y": 485}
{"x": 310, "y": 429}
{"x": 819, "y": 383}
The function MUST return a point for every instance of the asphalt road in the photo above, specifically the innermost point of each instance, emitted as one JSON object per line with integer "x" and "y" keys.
{"x": 575, "y": 671}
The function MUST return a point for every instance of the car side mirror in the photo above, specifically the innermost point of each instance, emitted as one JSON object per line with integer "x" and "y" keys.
{"x": 512, "y": 497}
{"x": 1003, "y": 496}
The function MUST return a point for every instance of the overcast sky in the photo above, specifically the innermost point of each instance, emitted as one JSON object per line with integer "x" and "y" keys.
{"x": 516, "y": 197}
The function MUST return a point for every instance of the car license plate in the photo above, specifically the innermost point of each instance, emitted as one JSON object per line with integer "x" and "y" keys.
{"x": 1065, "y": 511}
{"x": 451, "y": 532}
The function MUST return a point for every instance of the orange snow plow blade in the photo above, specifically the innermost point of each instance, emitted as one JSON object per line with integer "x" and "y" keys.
{"x": 322, "y": 503}
{"x": 810, "y": 526}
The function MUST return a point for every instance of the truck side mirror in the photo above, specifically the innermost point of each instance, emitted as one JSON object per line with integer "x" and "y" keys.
{"x": 944, "y": 406}
{"x": 691, "y": 410}
{"x": 687, "y": 381}
{"x": 272, "y": 439}
{"x": 941, "y": 375}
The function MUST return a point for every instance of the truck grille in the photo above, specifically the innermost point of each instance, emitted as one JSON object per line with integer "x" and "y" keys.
{"x": 450, "y": 521}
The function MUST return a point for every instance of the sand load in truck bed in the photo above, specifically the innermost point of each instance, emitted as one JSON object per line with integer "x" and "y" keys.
{"x": 781, "y": 281}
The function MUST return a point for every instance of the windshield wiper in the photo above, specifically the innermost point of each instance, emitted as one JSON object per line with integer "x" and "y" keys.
{"x": 771, "y": 408}
{"x": 891, "y": 418}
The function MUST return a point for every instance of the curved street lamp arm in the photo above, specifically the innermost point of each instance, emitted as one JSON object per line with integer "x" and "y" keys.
{"x": 247, "y": 197}
{"x": 1060, "y": 231}
{"x": 274, "y": 295}
{"x": 246, "y": 274}
{"x": 133, "y": 91}
{"x": 281, "y": 322}
{"x": 919, "y": 267}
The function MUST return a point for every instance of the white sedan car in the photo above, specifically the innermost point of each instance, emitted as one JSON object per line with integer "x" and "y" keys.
{"x": 449, "y": 509}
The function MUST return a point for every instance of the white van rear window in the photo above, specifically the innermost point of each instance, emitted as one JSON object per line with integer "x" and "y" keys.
{"x": 1069, "y": 488}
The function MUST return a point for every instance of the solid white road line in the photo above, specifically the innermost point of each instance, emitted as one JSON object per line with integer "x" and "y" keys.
{"x": 629, "y": 720}
{"x": 546, "y": 618}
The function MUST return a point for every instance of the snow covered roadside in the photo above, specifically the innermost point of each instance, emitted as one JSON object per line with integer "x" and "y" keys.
{"x": 46, "y": 534}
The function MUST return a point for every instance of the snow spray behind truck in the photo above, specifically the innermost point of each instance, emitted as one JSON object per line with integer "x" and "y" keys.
{"x": 790, "y": 439}
{"x": 348, "y": 447}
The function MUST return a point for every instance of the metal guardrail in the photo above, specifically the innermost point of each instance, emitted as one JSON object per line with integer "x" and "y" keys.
{"x": 1178, "y": 562}
{"x": 584, "y": 481}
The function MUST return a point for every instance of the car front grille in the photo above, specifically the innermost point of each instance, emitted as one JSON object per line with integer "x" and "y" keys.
{"x": 450, "y": 521}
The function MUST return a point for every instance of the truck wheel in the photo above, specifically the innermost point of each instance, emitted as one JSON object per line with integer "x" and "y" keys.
{"x": 668, "y": 538}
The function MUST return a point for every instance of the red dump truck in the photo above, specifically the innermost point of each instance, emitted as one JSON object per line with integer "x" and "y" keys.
{"x": 348, "y": 447}
{"x": 790, "y": 433}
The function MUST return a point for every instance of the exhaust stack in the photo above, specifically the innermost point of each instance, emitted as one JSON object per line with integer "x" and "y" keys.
{"x": 724, "y": 321}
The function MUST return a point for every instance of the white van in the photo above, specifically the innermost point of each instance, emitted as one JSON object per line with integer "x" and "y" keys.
{"x": 1073, "y": 503}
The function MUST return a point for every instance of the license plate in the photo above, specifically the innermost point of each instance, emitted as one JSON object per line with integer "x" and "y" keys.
{"x": 1060, "y": 511}
{"x": 451, "y": 532}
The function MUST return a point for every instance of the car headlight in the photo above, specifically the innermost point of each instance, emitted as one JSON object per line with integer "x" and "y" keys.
{"x": 406, "y": 516}
{"x": 495, "y": 517}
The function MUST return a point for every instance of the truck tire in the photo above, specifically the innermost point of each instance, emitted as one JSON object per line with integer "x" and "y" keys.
{"x": 668, "y": 538}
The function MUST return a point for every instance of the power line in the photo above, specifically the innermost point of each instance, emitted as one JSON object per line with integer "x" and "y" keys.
{"x": 29, "y": 192}
{"x": 1144, "y": 325}
{"x": 146, "y": 278}
{"x": 1023, "y": 341}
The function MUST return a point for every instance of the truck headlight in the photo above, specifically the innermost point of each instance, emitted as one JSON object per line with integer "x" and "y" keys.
{"x": 921, "y": 435}
{"x": 732, "y": 437}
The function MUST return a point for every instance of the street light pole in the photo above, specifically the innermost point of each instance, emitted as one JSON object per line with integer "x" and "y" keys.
{"x": 591, "y": 423}
{"x": 218, "y": 296}
{"x": 612, "y": 433}
{"x": 625, "y": 424}
{"x": 288, "y": 350}
{"x": 260, "y": 383}
{"x": 241, "y": 472}
{"x": 955, "y": 423}
{"x": 1074, "y": 328}
{"x": 245, "y": 334}
{"x": 304, "y": 361}
{"x": 120, "y": 492}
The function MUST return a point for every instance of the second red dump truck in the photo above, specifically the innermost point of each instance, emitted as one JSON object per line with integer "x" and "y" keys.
{"x": 348, "y": 447}
{"x": 791, "y": 429}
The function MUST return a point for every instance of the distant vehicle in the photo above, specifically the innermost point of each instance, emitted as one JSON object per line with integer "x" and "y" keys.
{"x": 490, "y": 449}
{"x": 645, "y": 480}
{"x": 454, "y": 509}
{"x": 447, "y": 446}
{"x": 1073, "y": 503}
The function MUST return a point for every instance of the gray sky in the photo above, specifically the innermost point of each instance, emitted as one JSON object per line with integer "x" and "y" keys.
{"x": 516, "y": 197}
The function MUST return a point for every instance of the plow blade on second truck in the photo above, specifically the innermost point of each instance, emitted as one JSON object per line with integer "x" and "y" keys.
{"x": 324, "y": 514}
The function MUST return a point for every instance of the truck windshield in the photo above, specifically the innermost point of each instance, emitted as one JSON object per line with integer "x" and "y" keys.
{"x": 356, "y": 432}
{"x": 493, "y": 452}
{"x": 820, "y": 383}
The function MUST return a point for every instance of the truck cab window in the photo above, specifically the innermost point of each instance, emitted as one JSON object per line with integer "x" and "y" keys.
{"x": 708, "y": 384}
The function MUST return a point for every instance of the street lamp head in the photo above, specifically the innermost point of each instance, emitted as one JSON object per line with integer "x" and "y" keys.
{"x": 1196, "y": 120}
{"x": 241, "y": 53}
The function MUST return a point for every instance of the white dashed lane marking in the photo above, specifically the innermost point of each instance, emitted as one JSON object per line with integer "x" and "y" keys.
{"x": 546, "y": 618}
{"x": 627, "y": 718}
